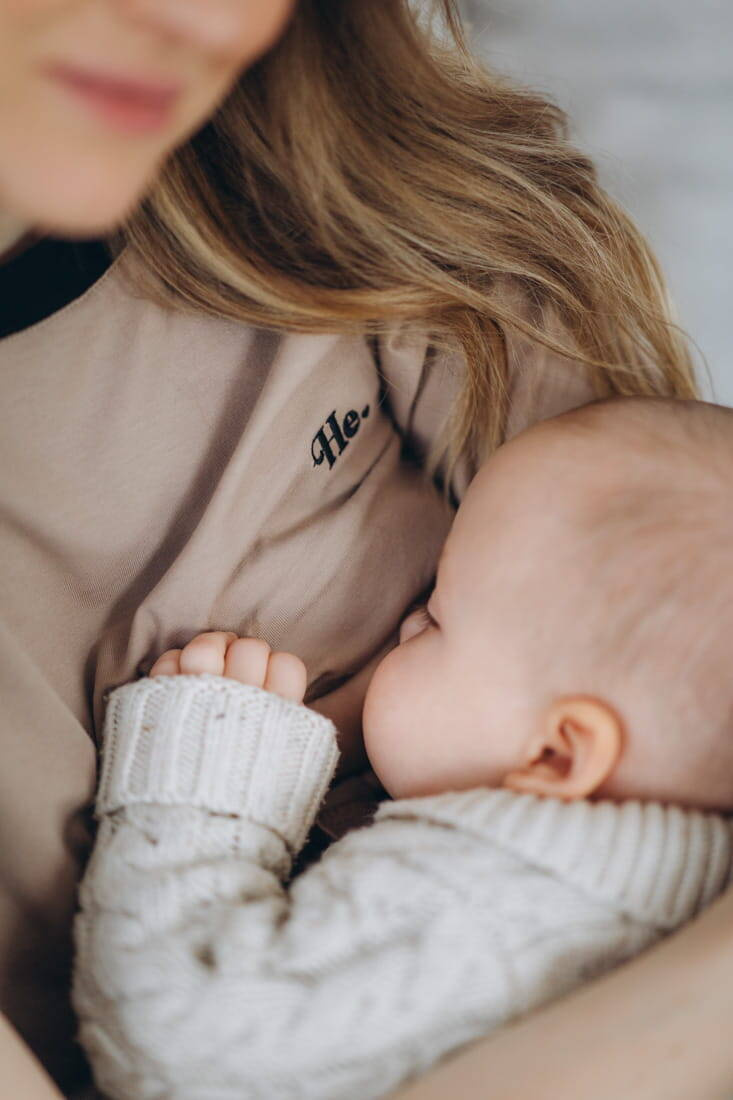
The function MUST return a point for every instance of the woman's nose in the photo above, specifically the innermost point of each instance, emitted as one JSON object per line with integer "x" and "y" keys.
{"x": 213, "y": 25}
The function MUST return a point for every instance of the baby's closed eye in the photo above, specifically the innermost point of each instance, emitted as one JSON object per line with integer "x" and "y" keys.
{"x": 415, "y": 623}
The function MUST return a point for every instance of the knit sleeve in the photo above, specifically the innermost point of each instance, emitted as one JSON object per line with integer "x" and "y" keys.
{"x": 207, "y": 791}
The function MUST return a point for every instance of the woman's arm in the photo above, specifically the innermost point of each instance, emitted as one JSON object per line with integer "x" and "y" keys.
{"x": 20, "y": 1074}
{"x": 656, "y": 1029}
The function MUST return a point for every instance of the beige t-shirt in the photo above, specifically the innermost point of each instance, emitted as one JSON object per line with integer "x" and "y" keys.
{"x": 161, "y": 474}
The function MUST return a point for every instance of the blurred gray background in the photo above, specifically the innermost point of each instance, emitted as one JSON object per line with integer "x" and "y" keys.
{"x": 649, "y": 88}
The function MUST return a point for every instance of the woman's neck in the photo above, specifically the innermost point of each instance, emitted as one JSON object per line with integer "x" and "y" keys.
{"x": 13, "y": 233}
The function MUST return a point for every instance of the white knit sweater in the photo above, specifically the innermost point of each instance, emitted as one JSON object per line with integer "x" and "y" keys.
{"x": 202, "y": 975}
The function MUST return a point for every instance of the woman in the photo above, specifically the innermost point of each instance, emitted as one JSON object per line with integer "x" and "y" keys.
{"x": 370, "y": 231}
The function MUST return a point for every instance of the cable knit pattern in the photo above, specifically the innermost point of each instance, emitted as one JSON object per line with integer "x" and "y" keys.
{"x": 201, "y": 975}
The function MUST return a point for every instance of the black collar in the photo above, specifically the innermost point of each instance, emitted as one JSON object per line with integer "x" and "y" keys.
{"x": 47, "y": 277}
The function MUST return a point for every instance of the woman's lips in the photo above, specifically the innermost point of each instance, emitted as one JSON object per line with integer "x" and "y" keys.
{"x": 128, "y": 105}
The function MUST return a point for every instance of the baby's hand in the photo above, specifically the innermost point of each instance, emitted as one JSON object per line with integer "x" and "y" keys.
{"x": 248, "y": 660}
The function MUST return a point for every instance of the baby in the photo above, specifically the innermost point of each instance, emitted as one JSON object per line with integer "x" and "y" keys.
{"x": 554, "y": 729}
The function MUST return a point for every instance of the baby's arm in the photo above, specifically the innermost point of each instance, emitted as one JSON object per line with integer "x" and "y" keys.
{"x": 200, "y": 975}
{"x": 208, "y": 789}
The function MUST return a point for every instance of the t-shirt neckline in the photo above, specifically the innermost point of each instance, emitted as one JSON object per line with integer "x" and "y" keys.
{"x": 47, "y": 277}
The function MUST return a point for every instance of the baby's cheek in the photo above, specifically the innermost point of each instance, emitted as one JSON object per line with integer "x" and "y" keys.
{"x": 383, "y": 698}
{"x": 391, "y": 719}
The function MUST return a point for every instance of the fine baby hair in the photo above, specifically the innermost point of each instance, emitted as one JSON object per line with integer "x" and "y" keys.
{"x": 654, "y": 619}
{"x": 576, "y": 643}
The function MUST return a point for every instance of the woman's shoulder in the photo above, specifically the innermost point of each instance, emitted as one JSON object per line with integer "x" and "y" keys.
{"x": 542, "y": 382}
{"x": 64, "y": 288}
{"x": 422, "y": 379}
{"x": 47, "y": 276}
{"x": 112, "y": 320}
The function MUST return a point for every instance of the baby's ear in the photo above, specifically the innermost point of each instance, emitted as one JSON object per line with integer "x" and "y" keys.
{"x": 575, "y": 752}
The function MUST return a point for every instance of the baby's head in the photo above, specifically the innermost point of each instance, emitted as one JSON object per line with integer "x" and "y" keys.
{"x": 579, "y": 640}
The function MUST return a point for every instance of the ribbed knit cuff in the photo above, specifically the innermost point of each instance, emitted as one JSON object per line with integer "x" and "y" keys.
{"x": 212, "y": 743}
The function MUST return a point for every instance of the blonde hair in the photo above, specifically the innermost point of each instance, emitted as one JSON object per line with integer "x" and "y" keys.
{"x": 368, "y": 171}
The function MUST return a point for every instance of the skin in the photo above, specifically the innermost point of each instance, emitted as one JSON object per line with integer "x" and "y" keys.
{"x": 463, "y": 700}
{"x": 21, "y": 1073}
{"x": 248, "y": 660}
{"x": 65, "y": 168}
{"x": 508, "y": 677}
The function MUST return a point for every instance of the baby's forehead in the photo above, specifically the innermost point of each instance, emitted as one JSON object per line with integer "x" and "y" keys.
{"x": 632, "y": 442}
{"x": 616, "y": 468}
{"x": 609, "y": 466}
{"x": 562, "y": 458}
{"x": 648, "y": 426}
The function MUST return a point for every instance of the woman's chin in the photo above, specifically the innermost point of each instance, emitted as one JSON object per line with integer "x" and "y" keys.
{"x": 101, "y": 215}
{"x": 76, "y": 201}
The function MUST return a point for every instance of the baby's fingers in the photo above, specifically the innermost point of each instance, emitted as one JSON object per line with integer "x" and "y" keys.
{"x": 286, "y": 676}
{"x": 168, "y": 664}
{"x": 206, "y": 653}
{"x": 246, "y": 661}
{"x": 250, "y": 661}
